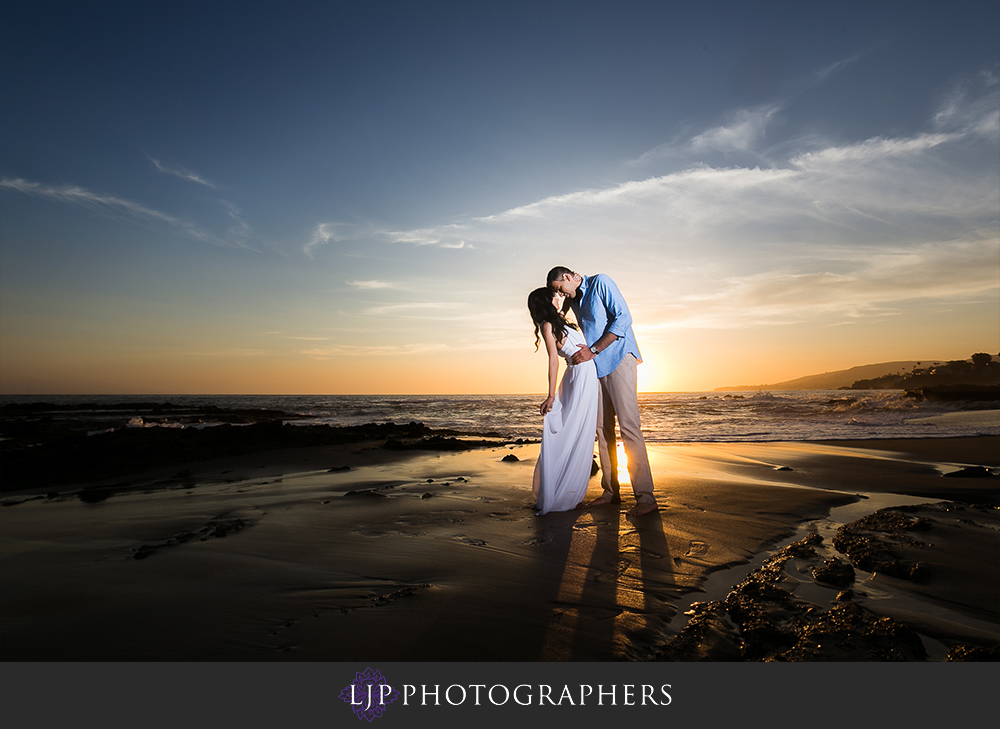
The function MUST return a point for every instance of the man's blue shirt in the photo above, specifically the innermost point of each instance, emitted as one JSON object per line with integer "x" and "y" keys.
{"x": 600, "y": 307}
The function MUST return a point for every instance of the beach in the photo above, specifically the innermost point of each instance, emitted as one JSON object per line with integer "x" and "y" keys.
{"x": 361, "y": 552}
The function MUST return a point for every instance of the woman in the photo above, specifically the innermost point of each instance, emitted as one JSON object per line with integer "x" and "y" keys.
{"x": 564, "y": 465}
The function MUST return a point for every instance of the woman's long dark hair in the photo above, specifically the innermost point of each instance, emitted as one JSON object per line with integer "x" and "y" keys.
{"x": 541, "y": 309}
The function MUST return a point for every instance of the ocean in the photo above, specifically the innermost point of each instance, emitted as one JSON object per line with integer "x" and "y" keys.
{"x": 666, "y": 417}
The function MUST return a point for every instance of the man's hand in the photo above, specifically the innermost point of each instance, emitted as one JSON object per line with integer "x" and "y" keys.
{"x": 583, "y": 355}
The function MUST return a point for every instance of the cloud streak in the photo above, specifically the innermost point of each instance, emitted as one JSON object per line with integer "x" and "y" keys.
{"x": 849, "y": 284}
{"x": 329, "y": 234}
{"x": 744, "y": 132}
{"x": 388, "y": 350}
{"x": 181, "y": 173}
{"x": 120, "y": 208}
{"x": 427, "y": 311}
{"x": 324, "y": 234}
{"x": 971, "y": 107}
{"x": 369, "y": 285}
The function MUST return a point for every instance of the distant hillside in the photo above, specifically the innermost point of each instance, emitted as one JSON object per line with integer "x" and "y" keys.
{"x": 840, "y": 378}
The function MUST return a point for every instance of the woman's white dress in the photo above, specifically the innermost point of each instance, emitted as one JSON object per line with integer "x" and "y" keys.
{"x": 569, "y": 429}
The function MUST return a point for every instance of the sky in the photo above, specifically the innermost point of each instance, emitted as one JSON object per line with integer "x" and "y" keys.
{"x": 357, "y": 197}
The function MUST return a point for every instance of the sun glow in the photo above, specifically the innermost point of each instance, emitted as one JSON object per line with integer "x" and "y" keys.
{"x": 650, "y": 377}
{"x": 623, "y": 477}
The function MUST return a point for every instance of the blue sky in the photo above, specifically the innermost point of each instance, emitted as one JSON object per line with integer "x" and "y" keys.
{"x": 357, "y": 197}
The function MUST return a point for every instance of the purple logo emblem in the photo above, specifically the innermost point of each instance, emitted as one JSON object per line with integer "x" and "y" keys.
{"x": 369, "y": 694}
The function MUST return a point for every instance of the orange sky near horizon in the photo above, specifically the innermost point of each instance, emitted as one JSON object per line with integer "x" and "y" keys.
{"x": 683, "y": 360}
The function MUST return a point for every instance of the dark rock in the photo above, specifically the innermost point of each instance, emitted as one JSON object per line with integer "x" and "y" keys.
{"x": 379, "y": 600}
{"x": 803, "y": 549}
{"x": 834, "y": 572}
{"x": 338, "y": 469}
{"x": 974, "y": 653}
{"x": 373, "y": 492}
{"x": 869, "y": 543}
{"x": 215, "y": 529}
{"x": 848, "y": 632}
{"x": 220, "y": 529}
{"x": 774, "y": 625}
{"x": 708, "y": 636}
{"x": 972, "y": 472}
{"x": 510, "y": 458}
{"x": 60, "y": 456}
{"x": 143, "y": 552}
{"x": 956, "y": 393}
{"x": 97, "y": 494}
{"x": 438, "y": 443}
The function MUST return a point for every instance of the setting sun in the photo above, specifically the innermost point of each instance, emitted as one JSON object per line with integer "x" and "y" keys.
{"x": 623, "y": 478}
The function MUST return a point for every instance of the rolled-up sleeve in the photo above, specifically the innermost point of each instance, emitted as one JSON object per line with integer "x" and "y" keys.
{"x": 619, "y": 318}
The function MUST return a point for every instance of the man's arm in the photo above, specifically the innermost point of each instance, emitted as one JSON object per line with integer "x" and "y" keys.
{"x": 619, "y": 317}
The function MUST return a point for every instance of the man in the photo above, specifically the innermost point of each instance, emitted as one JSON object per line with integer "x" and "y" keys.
{"x": 606, "y": 323}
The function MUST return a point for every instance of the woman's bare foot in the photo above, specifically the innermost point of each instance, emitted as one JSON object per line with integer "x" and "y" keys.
{"x": 602, "y": 500}
{"x": 643, "y": 509}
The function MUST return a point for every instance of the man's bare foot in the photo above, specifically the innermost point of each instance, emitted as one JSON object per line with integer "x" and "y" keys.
{"x": 601, "y": 501}
{"x": 643, "y": 509}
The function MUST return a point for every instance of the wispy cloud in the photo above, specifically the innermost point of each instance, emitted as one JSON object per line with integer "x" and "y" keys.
{"x": 388, "y": 350}
{"x": 427, "y": 311}
{"x": 370, "y": 284}
{"x": 180, "y": 172}
{"x": 426, "y": 237}
{"x": 120, "y": 208}
{"x": 239, "y": 229}
{"x": 82, "y": 196}
{"x": 232, "y": 352}
{"x": 327, "y": 234}
{"x": 850, "y": 283}
{"x": 742, "y": 133}
{"x": 838, "y": 66}
{"x": 971, "y": 106}
{"x": 872, "y": 150}
{"x": 445, "y": 236}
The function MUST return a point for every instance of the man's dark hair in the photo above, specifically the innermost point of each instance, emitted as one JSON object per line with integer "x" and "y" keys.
{"x": 557, "y": 273}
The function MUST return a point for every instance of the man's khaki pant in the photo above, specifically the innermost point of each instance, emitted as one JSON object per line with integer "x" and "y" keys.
{"x": 619, "y": 400}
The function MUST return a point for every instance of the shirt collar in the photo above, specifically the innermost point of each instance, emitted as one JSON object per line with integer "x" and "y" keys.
{"x": 581, "y": 290}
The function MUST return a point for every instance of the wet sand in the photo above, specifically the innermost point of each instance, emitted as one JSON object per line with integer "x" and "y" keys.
{"x": 354, "y": 552}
